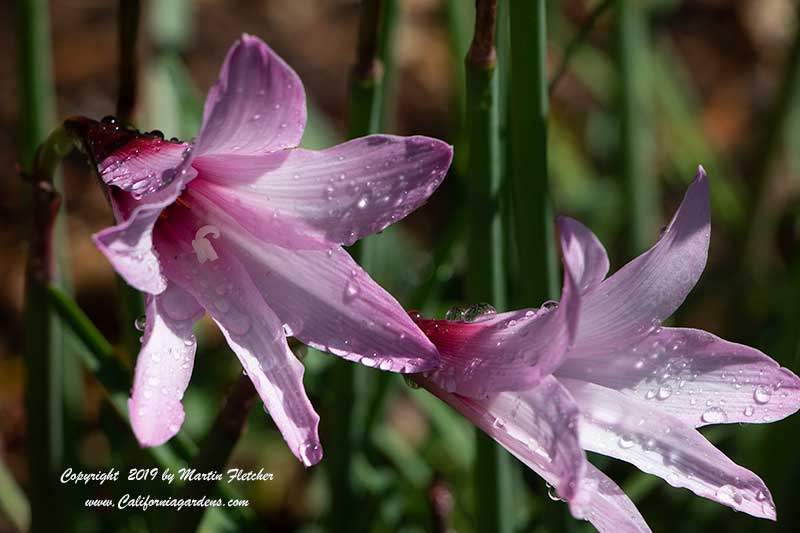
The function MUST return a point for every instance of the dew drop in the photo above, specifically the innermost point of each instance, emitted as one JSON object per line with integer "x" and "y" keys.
{"x": 762, "y": 394}
{"x": 714, "y": 415}
{"x": 664, "y": 392}
{"x": 626, "y": 442}
{"x": 352, "y": 289}
{"x": 309, "y": 453}
{"x": 455, "y": 313}
{"x": 479, "y": 312}
{"x": 748, "y": 411}
{"x": 728, "y": 495}
{"x": 140, "y": 323}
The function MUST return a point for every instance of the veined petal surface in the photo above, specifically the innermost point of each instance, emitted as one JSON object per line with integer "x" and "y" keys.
{"x": 164, "y": 366}
{"x": 311, "y": 199}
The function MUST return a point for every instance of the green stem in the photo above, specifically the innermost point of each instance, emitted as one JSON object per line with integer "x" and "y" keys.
{"x": 640, "y": 187}
{"x": 43, "y": 364}
{"x": 531, "y": 207}
{"x": 36, "y": 92}
{"x": 486, "y": 268}
{"x": 216, "y": 450}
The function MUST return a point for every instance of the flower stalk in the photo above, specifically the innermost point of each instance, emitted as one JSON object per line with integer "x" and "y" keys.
{"x": 532, "y": 218}
{"x": 486, "y": 275}
{"x": 43, "y": 364}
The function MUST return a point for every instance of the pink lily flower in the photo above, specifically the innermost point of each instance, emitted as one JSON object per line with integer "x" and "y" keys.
{"x": 600, "y": 373}
{"x": 244, "y": 225}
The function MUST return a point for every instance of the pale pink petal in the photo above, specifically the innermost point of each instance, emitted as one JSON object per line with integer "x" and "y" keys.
{"x": 505, "y": 352}
{"x": 327, "y": 301}
{"x": 694, "y": 376}
{"x": 658, "y": 443}
{"x": 537, "y": 426}
{"x": 609, "y": 509}
{"x": 258, "y": 105}
{"x": 583, "y": 252}
{"x": 129, "y": 244}
{"x": 634, "y": 300}
{"x": 301, "y": 198}
{"x": 253, "y": 332}
{"x": 138, "y": 166}
{"x": 321, "y": 296}
{"x": 164, "y": 366}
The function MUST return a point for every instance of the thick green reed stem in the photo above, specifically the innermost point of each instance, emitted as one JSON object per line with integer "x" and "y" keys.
{"x": 486, "y": 268}
{"x": 43, "y": 364}
{"x": 36, "y": 119}
{"x": 641, "y": 194}
{"x": 532, "y": 215}
{"x": 36, "y": 76}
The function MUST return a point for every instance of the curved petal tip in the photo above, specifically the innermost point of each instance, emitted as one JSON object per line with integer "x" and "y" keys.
{"x": 152, "y": 431}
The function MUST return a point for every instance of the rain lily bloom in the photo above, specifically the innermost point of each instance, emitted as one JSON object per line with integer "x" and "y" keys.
{"x": 599, "y": 373}
{"x": 248, "y": 227}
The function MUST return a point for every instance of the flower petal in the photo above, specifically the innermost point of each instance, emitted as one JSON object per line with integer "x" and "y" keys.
{"x": 660, "y": 444}
{"x": 129, "y": 244}
{"x": 609, "y": 509}
{"x": 138, "y": 166}
{"x": 509, "y": 351}
{"x": 258, "y": 105}
{"x": 694, "y": 376}
{"x": 336, "y": 196}
{"x": 254, "y": 333}
{"x": 537, "y": 426}
{"x": 634, "y": 300}
{"x": 327, "y": 301}
{"x": 583, "y": 252}
{"x": 164, "y": 366}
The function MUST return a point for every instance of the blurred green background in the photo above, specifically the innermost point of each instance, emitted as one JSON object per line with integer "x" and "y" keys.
{"x": 707, "y": 81}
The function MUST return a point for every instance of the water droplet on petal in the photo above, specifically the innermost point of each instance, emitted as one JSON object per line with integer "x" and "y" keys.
{"x": 762, "y": 394}
{"x": 664, "y": 392}
{"x": 479, "y": 312}
{"x": 748, "y": 411}
{"x": 714, "y": 415}
{"x": 455, "y": 313}
{"x": 310, "y": 453}
{"x": 140, "y": 323}
{"x": 415, "y": 315}
{"x": 351, "y": 290}
{"x": 728, "y": 495}
{"x": 626, "y": 442}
